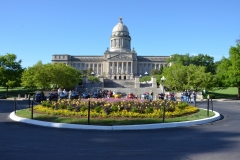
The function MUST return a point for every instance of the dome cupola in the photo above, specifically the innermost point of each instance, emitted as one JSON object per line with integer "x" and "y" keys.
{"x": 120, "y": 29}
{"x": 120, "y": 39}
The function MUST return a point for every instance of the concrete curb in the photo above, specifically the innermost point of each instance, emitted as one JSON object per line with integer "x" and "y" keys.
{"x": 122, "y": 127}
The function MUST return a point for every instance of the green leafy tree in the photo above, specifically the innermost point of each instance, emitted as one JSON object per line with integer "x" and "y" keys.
{"x": 89, "y": 72}
{"x": 145, "y": 78}
{"x": 47, "y": 76}
{"x": 180, "y": 77}
{"x": 228, "y": 70}
{"x": 199, "y": 60}
{"x": 10, "y": 71}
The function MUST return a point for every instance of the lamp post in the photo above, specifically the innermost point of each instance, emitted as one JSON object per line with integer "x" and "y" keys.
{"x": 163, "y": 79}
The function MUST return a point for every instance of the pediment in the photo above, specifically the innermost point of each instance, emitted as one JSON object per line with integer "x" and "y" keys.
{"x": 120, "y": 56}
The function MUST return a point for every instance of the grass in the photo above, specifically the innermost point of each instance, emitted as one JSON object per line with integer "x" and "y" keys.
{"x": 14, "y": 92}
{"x": 26, "y": 113}
{"x": 230, "y": 92}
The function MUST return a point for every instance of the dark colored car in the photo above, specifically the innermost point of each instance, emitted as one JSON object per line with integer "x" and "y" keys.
{"x": 145, "y": 95}
{"x": 74, "y": 95}
{"x": 63, "y": 96}
{"x": 85, "y": 95}
{"x": 96, "y": 95}
{"x": 161, "y": 96}
{"x": 53, "y": 96}
{"x": 40, "y": 97}
{"x": 130, "y": 96}
{"x": 171, "y": 96}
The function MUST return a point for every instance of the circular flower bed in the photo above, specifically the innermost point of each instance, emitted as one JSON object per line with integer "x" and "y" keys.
{"x": 104, "y": 108}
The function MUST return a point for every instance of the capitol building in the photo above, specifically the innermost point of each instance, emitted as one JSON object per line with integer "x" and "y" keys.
{"x": 119, "y": 62}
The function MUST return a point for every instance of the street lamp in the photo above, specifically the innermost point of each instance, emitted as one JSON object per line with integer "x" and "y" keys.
{"x": 163, "y": 79}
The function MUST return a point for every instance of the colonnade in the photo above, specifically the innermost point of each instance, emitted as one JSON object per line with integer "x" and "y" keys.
{"x": 120, "y": 67}
{"x": 97, "y": 68}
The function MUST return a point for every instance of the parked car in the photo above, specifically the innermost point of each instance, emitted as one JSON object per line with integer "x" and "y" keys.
{"x": 85, "y": 95}
{"x": 63, "y": 95}
{"x": 74, "y": 95}
{"x": 96, "y": 95}
{"x": 117, "y": 95}
{"x": 161, "y": 96}
{"x": 53, "y": 96}
{"x": 130, "y": 96}
{"x": 145, "y": 95}
{"x": 39, "y": 96}
{"x": 170, "y": 96}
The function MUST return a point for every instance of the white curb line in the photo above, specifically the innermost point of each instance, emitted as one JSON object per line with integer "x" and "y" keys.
{"x": 120, "y": 127}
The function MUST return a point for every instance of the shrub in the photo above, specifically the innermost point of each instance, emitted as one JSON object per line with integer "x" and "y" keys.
{"x": 98, "y": 109}
{"x": 182, "y": 105}
{"x": 70, "y": 108}
{"x": 114, "y": 109}
{"x": 83, "y": 108}
{"x": 62, "y": 106}
{"x": 134, "y": 110}
{"x": 149, "y": 110}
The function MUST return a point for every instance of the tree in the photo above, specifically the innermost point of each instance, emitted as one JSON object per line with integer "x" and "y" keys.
{"x": 156, "y": 72}
{"x": 199, "y": 60}
{"x": 180, "y": 77}
{"x": 47, "y": 76}
{"x": 89, "y": 72}
{"x": 10, "y": 71}
{"x": 229, "y": 68}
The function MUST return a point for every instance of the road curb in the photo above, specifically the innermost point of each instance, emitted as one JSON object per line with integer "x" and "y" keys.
{"x": 120, "y": 127}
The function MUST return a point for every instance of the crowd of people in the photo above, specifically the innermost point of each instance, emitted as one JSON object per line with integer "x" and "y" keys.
{"x": 188, "y": 96}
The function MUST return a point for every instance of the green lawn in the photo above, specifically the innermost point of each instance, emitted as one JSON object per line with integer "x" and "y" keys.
{"x": 16, "y": 91}
{"x": 26, "y": 113}
{"x": 230, "y": 92}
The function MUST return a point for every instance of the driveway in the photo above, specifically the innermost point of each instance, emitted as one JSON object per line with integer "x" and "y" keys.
{"x": 219, "y": 140}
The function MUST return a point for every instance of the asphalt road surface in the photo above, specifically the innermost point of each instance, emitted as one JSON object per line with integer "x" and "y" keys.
{"x": 218, "y": 140}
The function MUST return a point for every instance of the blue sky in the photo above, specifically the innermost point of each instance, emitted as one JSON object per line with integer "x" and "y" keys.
{"x": 34, "y": 30}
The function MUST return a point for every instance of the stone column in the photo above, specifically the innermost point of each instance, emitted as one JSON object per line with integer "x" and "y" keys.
{"x": 117, "y": 67}
{"x": 97, "y": 68}
{"x": 155, "y": 66}
{"x": 113, "y": 67}
{"x": 132, "y": 67}
{"x": 122, "y": 68}
{"x": 127, "y": 67}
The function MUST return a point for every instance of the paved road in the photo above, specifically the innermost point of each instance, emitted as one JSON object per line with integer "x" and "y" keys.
{"x": 215, "y": 141}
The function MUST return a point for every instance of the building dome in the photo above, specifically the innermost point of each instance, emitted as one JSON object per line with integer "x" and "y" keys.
{"x": 120, "y": 40}
{"x": 120, "y": 29}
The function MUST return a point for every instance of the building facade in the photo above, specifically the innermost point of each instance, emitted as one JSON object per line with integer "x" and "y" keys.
{"x": 120, "y": 62}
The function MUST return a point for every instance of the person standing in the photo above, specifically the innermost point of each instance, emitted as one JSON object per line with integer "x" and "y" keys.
{"x": 194, "y": 95}
{"x": 59, "y": 90}
{"x": 69, "y": 94}
{"x": 188, "y": 96}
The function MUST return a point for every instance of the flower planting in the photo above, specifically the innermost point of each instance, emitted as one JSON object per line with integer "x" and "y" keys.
{"x": 117, "y": 108}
